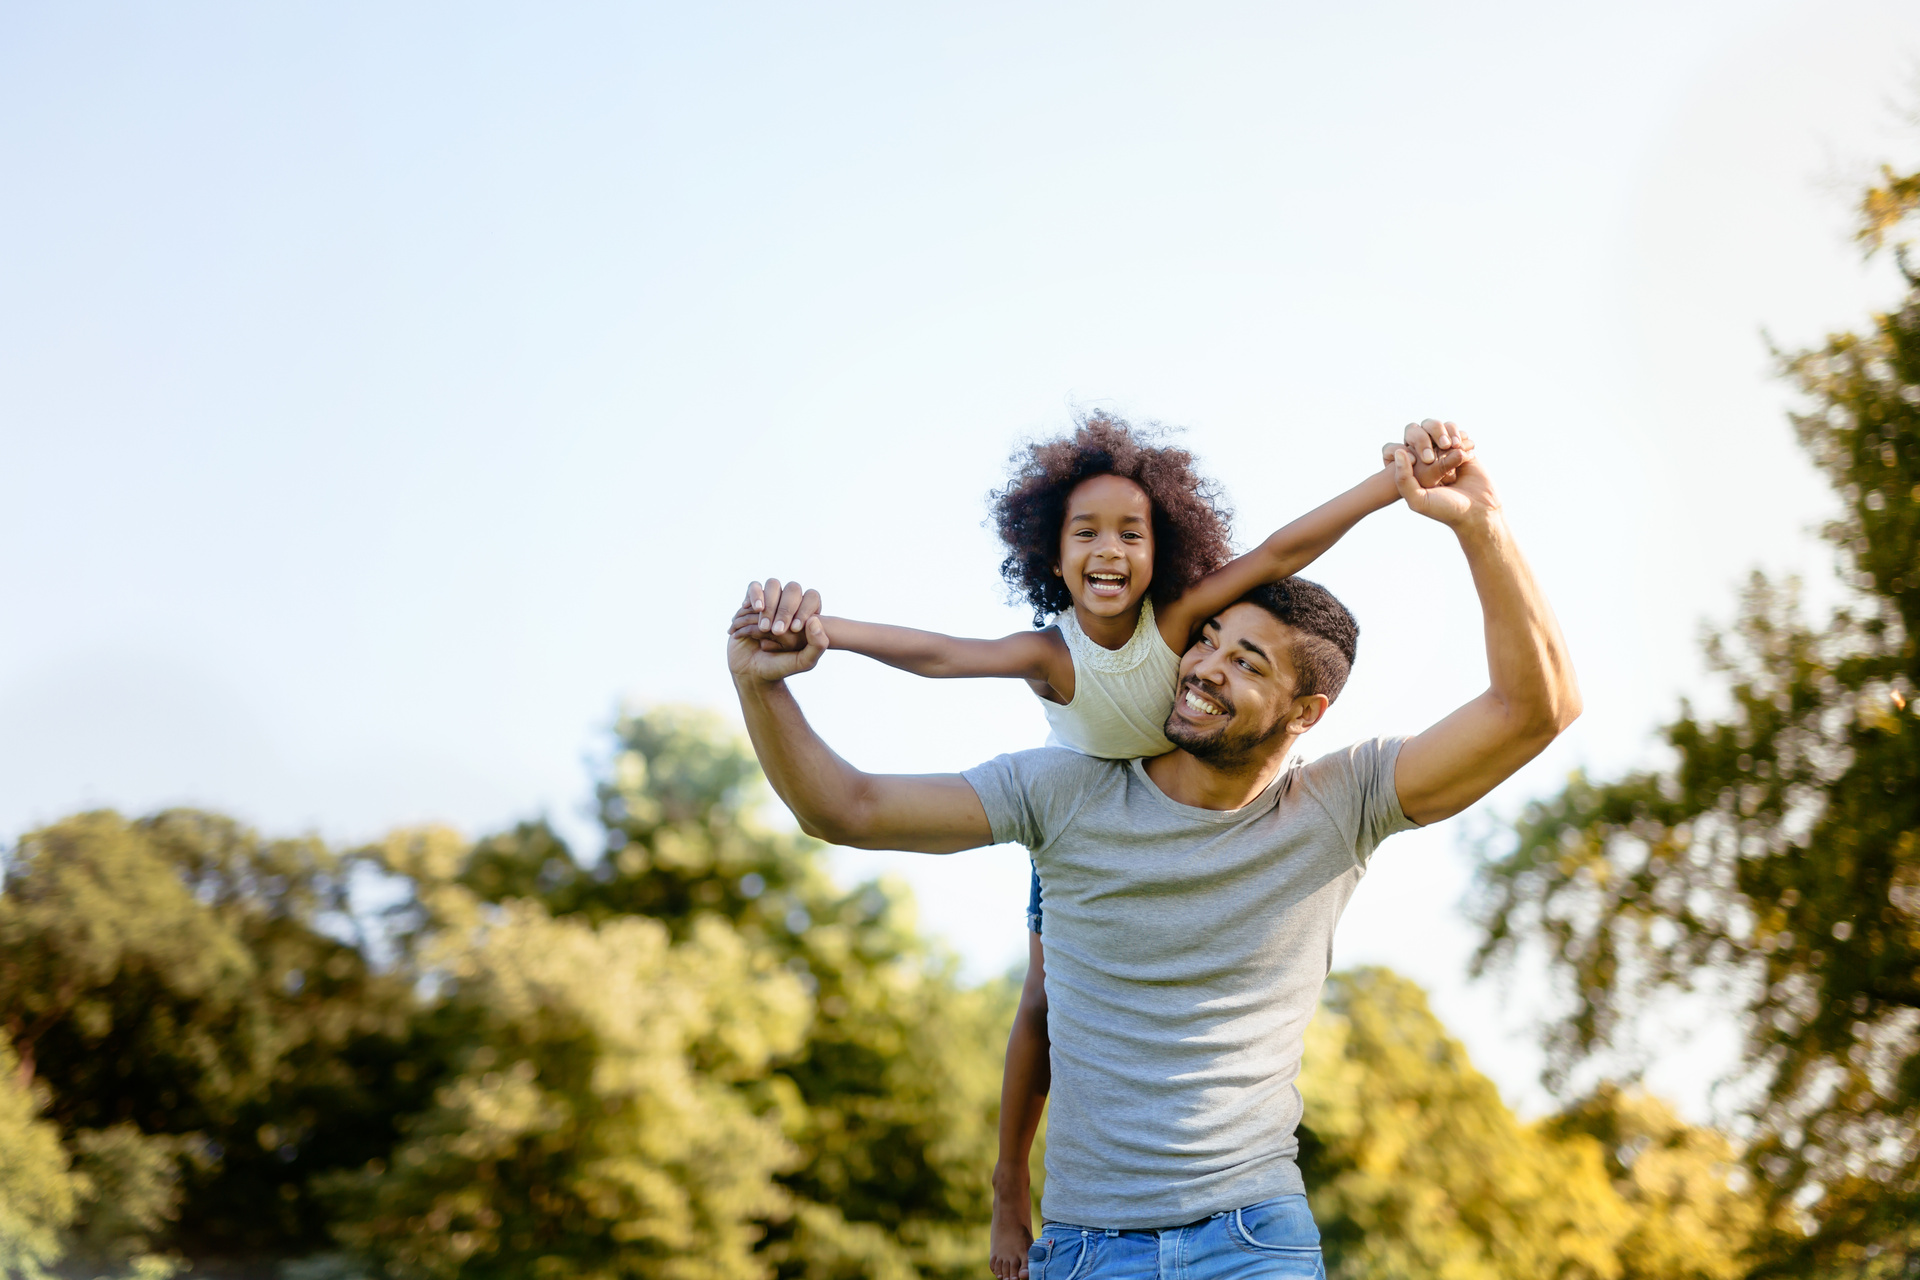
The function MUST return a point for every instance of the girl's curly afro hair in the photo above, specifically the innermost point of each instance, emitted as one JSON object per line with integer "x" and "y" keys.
{"x": 1189, "y": 523}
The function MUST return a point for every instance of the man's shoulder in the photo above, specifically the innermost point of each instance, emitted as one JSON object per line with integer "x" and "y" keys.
{"x": 1366, "y": 750}
{"x": 1030, "y": 796}
{"x": 1354, "y": 787}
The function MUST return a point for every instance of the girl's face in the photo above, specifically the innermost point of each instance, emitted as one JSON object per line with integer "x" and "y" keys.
{"x": 1106, "y": 546}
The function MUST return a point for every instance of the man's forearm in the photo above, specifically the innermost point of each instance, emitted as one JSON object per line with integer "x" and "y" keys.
{"x": 1531, "y": 694}
{"x": 1529, "y": 669}
{"x": 814, "y": 782}
{"x": 930, "y": 813}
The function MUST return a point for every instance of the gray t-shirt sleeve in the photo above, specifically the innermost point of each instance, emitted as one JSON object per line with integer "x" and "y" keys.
{"x": 1355, "y": 787}
{"x": 1030, "y": 795}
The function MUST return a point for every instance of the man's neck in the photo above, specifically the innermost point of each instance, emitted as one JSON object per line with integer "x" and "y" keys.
{"x": 1220, "y": 785}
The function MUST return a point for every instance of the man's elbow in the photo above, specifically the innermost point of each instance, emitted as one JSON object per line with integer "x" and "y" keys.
{"x": 822, "y": 829}
{"x": 1551, "y": 716}
{"x": 846, "y": 824}
{"x": 1570, "y": 708}
{"x": 1567, "y": 705}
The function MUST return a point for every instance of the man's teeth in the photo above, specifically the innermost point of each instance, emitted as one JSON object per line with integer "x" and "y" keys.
{"x": 1200, "y": 704}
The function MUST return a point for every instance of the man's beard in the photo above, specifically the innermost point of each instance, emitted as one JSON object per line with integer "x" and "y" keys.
{"x": 1220, "y": 745}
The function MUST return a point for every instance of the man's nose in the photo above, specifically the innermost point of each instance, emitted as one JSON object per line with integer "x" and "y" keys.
{"x": 1210, "y": 670}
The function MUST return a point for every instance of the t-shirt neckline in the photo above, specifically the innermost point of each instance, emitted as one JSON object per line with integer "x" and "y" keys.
{"x": 1266, "y": 800}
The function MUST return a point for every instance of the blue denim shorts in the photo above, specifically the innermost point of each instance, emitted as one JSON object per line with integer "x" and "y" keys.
{"x": 1273, "y": 1238}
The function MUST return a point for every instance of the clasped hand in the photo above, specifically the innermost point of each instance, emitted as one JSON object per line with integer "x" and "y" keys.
{"x": 777, "y": 632}
{"x": 1453, "y": 495}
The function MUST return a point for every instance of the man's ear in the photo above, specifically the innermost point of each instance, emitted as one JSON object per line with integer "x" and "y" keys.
{"x": 1306, "y": 712}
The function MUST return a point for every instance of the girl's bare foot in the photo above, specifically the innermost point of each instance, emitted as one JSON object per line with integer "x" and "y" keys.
{"x": 1012, "y": 1232}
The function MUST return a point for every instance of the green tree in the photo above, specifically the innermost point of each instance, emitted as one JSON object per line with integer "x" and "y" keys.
{"x": 38, "y": 1198}
{"x": 1779, "y": 856}
{"x": 1692, "y": 1216}
{"x": 895, "y": 1086}
{"x": 168, "y": 984}
{"x": 240, "y": 1062}
{"x": 606, "y": 1114}
{"x": 1417, "y": 1168}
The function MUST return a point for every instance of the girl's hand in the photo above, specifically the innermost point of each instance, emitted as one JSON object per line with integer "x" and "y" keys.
{"x": 782, "y": 610}
{"x": 1432, "y": 437}
{"x": 1439, "y": 450}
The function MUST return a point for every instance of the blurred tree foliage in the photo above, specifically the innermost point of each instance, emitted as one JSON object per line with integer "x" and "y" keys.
{"x": 168, "y": 983}
{"x": 890, "y": 1099}
{"x": 694, "y": 1059}
{"x": 1416, "y": 1167}
{"x": 1780, "y": 854}
{"x": 595, "y": 1122}
{"x": 38, "y": 1197}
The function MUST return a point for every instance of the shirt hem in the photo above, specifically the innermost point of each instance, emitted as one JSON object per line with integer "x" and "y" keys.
{"x": 1283, "y": 1180}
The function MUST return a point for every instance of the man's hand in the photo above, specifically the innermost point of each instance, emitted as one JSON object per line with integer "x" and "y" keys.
{"x": 1469, "y": 495}
{"x": 776, "y": 632}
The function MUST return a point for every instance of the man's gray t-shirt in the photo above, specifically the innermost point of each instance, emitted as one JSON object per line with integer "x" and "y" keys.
{"x": 1186, "y": 950}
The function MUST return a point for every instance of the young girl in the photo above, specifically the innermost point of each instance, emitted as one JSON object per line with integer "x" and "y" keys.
{"x": 1125, "y": 545}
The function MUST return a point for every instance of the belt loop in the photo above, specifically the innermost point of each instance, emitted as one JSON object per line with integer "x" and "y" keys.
{"x": 1112, "y": 1232}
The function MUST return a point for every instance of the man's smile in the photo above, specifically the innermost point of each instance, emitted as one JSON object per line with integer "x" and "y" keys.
{"x": 1199, "y": 702}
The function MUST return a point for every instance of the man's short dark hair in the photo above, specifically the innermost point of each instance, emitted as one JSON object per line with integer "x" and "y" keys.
{"x": 1323, "y": 651}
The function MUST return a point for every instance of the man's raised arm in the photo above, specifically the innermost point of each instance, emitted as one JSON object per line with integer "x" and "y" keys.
{"x": 1532, "y": 694}
{"x": 931, "y": 813}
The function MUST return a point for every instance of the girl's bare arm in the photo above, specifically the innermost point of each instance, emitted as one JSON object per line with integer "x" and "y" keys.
{"x": 1037, "y": 656}
{"x": 780, "y": 613}
{"x": 1294, "y": 546}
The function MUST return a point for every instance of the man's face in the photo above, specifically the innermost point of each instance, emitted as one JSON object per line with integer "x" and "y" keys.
{"x": 1237, "y": 685}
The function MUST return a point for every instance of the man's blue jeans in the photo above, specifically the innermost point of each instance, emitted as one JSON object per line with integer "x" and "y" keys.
{"x": 1273, "y": 1238}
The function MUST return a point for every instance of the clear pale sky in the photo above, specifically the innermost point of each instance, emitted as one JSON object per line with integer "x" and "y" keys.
{"x": 388, "y": 394}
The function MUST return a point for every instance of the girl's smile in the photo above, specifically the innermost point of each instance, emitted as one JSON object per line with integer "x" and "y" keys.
{"x": 1106, "y": 555}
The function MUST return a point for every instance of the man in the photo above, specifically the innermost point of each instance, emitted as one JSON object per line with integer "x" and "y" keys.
{"x": 1191, "y": 898}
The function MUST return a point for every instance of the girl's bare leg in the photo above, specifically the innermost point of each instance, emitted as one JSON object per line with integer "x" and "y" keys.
{"x": 1023, "y": 1097}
